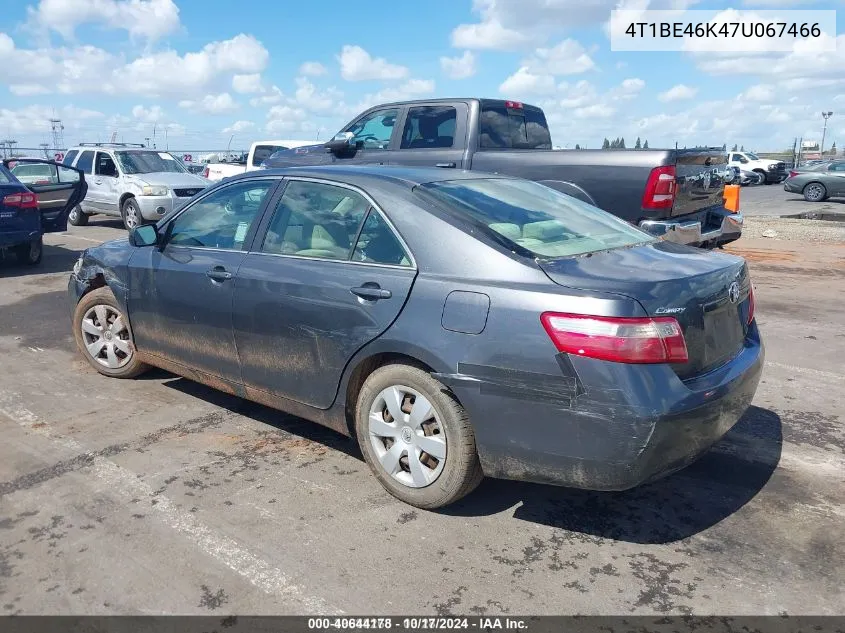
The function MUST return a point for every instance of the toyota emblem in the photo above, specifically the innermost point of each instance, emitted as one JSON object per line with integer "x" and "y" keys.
{"x": 733, "y": 292}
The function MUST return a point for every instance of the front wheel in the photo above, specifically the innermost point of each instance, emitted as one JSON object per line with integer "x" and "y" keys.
{"x": 815, "y": 192}
{"x": 30, "y": 253}
{"x": 103, "y": 335}
{"x": 762, "y": 176}
{"x": 77, "y": 217}
{"x": 131, "y": 214}
{"x": 416, "y": 437}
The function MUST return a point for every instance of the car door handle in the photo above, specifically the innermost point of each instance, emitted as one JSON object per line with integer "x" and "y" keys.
{"x": 218, "y": 273}
{"x": 371, "y": 293}
{"x": 445, "y": 165}
{"x": 98, "y": 182}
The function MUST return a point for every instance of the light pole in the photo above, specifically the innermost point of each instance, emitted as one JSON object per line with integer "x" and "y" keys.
{"x": 826, "y": 116}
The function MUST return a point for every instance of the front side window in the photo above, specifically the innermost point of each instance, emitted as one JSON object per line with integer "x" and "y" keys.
{"x": 429, "y": 127}
{"x": 147, "y": 162}
{"x": 105, "y": 165}
{"x": 315, "y": 220}
{"x": 222, "y": 219}
{"x": 539, "y": 219}
{"x": 86, "y": 161}
{"x": 373, "y": 130}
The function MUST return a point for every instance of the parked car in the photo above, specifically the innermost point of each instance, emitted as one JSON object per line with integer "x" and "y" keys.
{"x": 644, "y": 187}
{"x": 27, "y": 211}
{"x": 746, "y": 177}
{"x": 34, "y": 173}
{"x": 133, "y": 182}
{"x": 818, "y": 182}
{"x": 258, "y": 153}
{"x": 458, "y": 324}
{"x": 770, "y": 171}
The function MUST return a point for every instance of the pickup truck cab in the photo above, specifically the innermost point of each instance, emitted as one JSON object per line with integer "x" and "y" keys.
{"x": 673, "y": 193}
{"x": 258, "y": 153}
{"x": 769, "y": 171}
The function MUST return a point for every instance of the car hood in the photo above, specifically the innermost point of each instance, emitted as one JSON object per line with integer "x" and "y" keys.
{"x": 170, "y": 179}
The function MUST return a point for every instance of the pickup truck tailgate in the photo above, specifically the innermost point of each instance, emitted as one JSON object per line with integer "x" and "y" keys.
{"x": 699, "y": 180}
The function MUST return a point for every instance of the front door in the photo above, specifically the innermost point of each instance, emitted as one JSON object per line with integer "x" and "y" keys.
{"x": 105, "y": 183}
{"x": 433, "y": 136}
{"x": 373, "y": 134}
{"x": 180, "y": 295}
{"x": 316, "y": 287}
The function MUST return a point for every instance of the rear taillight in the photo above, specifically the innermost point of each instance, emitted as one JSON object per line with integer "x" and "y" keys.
{"x": 21, "y": 200}
{"x": 793, "y": 173}
{"x": 750, "y": 303}
{"x": 513, "y": 105}
{"x": 205, "y": 173}
{"x": 660, "y": 188}
{"x": 617, "y": 339}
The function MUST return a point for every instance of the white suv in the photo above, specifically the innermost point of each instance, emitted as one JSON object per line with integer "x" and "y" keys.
{"x": 136, "y": 183}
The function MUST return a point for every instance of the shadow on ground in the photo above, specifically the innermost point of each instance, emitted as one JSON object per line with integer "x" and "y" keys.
{"x": 54, "y": 260}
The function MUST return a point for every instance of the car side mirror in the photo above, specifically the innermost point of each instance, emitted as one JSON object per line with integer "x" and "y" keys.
{"x": 343, "y": 143}
{"x": 145, "y": 235}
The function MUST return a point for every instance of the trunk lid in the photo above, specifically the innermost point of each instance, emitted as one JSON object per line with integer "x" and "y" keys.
{"x": 669, "y": 279}
{"x": 699, "y": 180}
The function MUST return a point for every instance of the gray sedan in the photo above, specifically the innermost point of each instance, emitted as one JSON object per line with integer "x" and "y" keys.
{"x": 456, "y": 324}
{"x": 818, "y": 182}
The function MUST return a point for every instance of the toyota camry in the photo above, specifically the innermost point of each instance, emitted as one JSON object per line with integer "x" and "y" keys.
{"x": 457, "y": 324}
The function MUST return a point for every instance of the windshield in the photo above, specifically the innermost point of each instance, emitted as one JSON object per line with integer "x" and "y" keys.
{"x": 752, "y": 155}
{"x": 140, "y": 162}
{"x": 537, "y": 218}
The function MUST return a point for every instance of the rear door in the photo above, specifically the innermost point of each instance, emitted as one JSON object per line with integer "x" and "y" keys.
{"x": 433, "y": 136}
{"x": 57, "y": 192}
{"x": 85, "y": 163}
{"x": 327, "y": 275}
{"x": 835, "y": 180}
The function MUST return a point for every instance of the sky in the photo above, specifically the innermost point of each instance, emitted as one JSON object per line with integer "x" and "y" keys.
{"x": 195, "y": 74}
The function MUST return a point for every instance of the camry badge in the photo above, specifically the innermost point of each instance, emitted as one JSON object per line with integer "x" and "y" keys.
{"x": 733, "y": 292}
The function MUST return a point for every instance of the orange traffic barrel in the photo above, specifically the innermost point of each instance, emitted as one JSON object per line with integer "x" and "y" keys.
{"x": 732, "y": 198}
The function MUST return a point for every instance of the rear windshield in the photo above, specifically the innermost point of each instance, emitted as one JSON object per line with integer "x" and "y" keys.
{"x": 263, "y": 152}
{"x": 513, "y": 128}
{"x": 148, "y": 162}
{"x": 539, "y": 219}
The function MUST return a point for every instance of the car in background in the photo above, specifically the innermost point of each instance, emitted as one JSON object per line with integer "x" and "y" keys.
{"x": 133, "y": 182}
{"x": 818, "y": 182}
{"x": 27, "y": 211}
{"x": 457, "y": 324}
{"x": 770, "y": 171}
{"x": 34, "y": 173}
{"x": 258, "y": 153}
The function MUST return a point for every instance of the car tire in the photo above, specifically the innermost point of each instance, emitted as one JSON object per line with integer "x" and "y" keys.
{"x": 77, "y": 217}
{"x": 30, "y": 253}
{"x": 96, "y": 332}
{"x": 815, "y": 192}
{"x": 762, "y": 175}
{"x": 428, "y": 482}
{"x": 130, "y": 212}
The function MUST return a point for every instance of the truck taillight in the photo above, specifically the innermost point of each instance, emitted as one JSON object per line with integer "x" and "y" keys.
{"x": 21, "y": 200}
{"x": 513, "y": 105}
{"x": 205, "y": 173}
{"x": 660, "y": 188}
{"x": 617, "y": 339}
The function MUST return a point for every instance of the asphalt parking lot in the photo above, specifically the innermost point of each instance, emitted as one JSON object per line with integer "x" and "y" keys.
{"x": 159, "y": 495}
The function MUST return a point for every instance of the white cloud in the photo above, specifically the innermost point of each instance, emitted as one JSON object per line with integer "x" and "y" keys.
{"x": 356, "y": 64}
{"x": 247, "y": 84}
{"x": 274, "y": 96}
{"x": 284, "y": 119}
{"x": 459, "y": 67}
{"x": 148, "y": 19}
{"x": 566, "y": 58}
{"x": 148, "y": 115}
{"x": 598, "y": 110}
{"x": 488, "y": 35}
{"x": 524, "y": 82}
{"x": 320, "y": 102}
{"x": 411, "y": 89}
{"x": 312, "y": 69}
{"x": 35, "y": 119}
{"x": 212, "y": 104}
{"x": 677, "y": 93}
{"x": 628, "y": 89}
{"x": 759, "y": 92}
{"x": 238, "y": 126}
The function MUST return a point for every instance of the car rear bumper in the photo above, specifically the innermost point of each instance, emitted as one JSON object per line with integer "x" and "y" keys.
{"x": 607, "y": 446}
{"x": 792, "y": 187}
{"x": 14, "y": 238}
{"x": 719, "y": 226}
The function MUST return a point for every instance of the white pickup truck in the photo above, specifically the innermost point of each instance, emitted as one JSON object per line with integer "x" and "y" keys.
{"x": 258, "y": 153}
{"x": 769, "y": 171}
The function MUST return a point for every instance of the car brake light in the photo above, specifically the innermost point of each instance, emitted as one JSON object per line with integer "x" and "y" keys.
{"x": 660, "y": 188}
{"x": 750, "y": 303}
{"x": 513, "y": 105}
{"x": 617, "y": 339}
{"x": 205, "y": 173}
{"x": 21, "y": 200}
{"x": 793, "y": 173}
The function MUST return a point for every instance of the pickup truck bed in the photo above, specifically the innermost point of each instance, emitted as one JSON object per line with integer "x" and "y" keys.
{"x": 676, "y": 193}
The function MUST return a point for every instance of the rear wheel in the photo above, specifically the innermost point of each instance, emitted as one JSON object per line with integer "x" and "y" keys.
{"x": 77, "y": 217}
{"x": 30, "y": 253}
{"x": 103, "y": 335}
{"x": 131, "y": 214}
{"x": 416, "y": 437}
{"x": 815, "y": 192}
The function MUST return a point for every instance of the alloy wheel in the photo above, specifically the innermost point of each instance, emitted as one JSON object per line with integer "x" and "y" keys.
{"x": 814, "y": 192}
{"x": 407, "y": 436}
{"x": 131, "y": 214}
{"x": 106, "y": 336}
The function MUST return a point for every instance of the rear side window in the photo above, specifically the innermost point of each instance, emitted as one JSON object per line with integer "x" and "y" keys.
{"x": 70, "y": 156}
{"x": 378, "y": 244}
{"x": 86, "y": 161}
{"x": 837, "y": 167}
{"x": 263, "y": 152}
{"x": 513, "y": 128}
{"x": 430, "y": 127}
{"x": 3, "y": 177}
{"x": 539, "y": 219}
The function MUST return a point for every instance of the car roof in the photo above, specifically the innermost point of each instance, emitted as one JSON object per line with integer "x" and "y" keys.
{"x": 408, "y": 176}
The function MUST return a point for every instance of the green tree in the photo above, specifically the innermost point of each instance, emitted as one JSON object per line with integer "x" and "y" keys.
{"x": 645, "y": 145}
{"x": 606, "y": 144}
{"x": 742, "y": 148}
{"x": 832, "y": 151}
{"x": 577, "y": 146}
{"x": 622, "y": 143}
{"x": 733, "y": 149}
{"x": 724, "y": 147}
{"x": 638, "y": 144}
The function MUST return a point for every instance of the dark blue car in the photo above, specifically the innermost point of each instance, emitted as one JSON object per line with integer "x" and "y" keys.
{"x": 27, "y": 211}
{"x": 459, "y": 324}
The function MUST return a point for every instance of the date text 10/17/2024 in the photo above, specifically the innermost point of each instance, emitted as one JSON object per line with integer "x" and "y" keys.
{"x": 418, "y": 623}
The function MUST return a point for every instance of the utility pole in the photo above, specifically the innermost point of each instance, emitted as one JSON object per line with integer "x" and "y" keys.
{"x": 147, "y": 139}
{"x": 58, "y": 134}
{"x": 825, "y": 116}
{"x": 44, "y": 147}
{"x": 154, "y": 133}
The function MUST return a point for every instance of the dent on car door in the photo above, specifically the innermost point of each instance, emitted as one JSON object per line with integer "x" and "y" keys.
{"x": 60, "y": 191}
{"x": 326, "y": 276}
